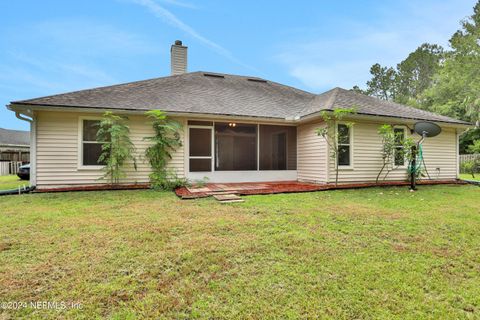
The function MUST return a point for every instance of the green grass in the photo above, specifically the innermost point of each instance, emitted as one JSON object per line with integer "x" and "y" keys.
{"x": 366, "y": 254}
{"x": 11, "y": 182}
{"x": 466, "y": 176}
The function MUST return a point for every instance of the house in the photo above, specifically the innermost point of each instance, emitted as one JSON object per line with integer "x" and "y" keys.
{"x": 235, "y": 129}
{"x": 14, "y": 145}
{"x": 14, "y": 150}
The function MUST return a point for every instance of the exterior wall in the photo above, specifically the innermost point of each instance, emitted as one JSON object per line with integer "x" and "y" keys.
{"x": 58, "y": 148}
{"x": 440, "y": 154}
{"x": 57, "y": 154}
{"x": 312, "y": 154}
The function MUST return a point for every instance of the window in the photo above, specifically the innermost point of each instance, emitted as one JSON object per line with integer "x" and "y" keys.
{"x": 399, "y": 154}
{"x": 200, "y": 149}
{"x": 235, "y": 146}
{"x": 278, "y": 147}
{"x": 91, "y": 148}
{"x": 344, "y": 145}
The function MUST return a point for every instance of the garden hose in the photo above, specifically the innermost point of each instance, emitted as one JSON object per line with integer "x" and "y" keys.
{"x": 419, "y": 160}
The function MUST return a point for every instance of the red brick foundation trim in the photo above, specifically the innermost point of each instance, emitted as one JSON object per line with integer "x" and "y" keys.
{"x": 98, "y": 187}
{"x": 274, "y": 187}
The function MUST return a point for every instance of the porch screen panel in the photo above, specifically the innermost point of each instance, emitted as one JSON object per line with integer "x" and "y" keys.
{"x": 235, "y": 147}
{"x": 278, "y": 147}
{"x": 200, "y": 149}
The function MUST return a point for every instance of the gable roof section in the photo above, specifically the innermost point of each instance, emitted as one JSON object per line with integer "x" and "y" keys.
{"x": 340, "y": 98}
{"x": 14, "y": 137}
{"x": 222, "y": 94}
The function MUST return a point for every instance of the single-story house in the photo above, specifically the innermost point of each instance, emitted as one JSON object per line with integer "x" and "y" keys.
{"x": 14, "y": 145}
{"x": 235, "y": 129}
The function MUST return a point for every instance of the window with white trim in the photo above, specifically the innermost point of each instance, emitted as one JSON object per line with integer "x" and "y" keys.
{"x": 344, "y": 145}
{"x": 399, "y": 153}
{"x": 91, "y": 148}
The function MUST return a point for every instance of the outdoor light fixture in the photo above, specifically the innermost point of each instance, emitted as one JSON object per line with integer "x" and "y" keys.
{"x": 232, "y": 124}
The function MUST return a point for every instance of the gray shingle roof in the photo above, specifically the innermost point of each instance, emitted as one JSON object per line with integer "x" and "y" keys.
{"x": 14, "y": 137}
{"x": 222, "y": 94}
{"x": 366, "y": 105}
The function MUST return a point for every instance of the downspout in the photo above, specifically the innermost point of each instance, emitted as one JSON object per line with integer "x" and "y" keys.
{"x": 33, "y": 144}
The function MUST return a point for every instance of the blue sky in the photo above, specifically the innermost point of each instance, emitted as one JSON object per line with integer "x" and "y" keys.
{"x": 49, "y": 47}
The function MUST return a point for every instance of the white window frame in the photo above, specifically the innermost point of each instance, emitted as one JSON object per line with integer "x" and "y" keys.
{"x": 404, "y": 165}
{"x": 212, "y": 147}
{"x": 80, "y": 164}
{"x": 350, "y": 144}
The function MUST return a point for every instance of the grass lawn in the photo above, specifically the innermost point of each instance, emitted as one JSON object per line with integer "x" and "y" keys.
{"x": 11, "y": 182}
{"x": 466, "y": 176}
{"x": 367, "y": 253}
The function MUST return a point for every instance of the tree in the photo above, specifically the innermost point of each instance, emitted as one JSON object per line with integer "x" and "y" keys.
{"x": 166, "y": 139}
{"x": 456, "y": 87}
{"x": 382, "y": 84}
{"x": 415, "y": 73}
{"x": 393, "y": 145}
{"x": 330, "y": 132}
{"x": 444, "y": 82}
{"x": 358, "y": 90}
{"x": 117, "y": 148}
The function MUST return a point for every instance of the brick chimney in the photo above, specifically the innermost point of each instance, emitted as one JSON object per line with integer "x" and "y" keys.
{"x": 178, "y": 58}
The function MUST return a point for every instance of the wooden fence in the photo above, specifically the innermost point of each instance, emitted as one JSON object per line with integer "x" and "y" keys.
{"x": 9, "y": 167}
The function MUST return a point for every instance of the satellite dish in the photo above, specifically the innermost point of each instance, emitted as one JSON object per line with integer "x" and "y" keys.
{"x": 427, "y": 129}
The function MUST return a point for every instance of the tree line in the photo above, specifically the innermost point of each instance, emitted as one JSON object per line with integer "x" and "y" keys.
{"x": 432, "y": 78}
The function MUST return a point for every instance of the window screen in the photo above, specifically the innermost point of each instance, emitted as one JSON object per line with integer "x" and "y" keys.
{"x": 399, "y": 156}
{"x": 91, "y": 148}
{"x": 235, "y": 146}
{"x": 343, "y": 145}
{"x": 200, "y": 149}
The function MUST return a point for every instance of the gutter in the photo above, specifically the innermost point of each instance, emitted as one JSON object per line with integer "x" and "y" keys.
{"x": 386, "y": 118}
{"x": 14, "y": 106}
{"x": 28, "y": 115}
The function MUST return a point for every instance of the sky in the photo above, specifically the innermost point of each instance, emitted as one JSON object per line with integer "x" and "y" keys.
{"x": 56, "y": 46}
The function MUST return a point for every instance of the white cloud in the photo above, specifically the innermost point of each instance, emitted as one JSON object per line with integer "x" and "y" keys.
{"x": 180, "y": 4}
{"x": 168, "y": 17}
{"x": 322, "y": 62}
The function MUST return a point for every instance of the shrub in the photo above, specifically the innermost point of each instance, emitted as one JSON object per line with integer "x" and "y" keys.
{"x": 117, "y": 148}
{"x": 471, "y": 167}
{"x": 166, "y": 140}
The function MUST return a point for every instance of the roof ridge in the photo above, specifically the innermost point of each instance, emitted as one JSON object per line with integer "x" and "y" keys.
{"x": 333, "y": 98}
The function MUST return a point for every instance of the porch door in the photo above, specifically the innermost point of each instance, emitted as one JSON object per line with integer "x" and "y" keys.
{"x": 279, "y": 151}
{"x": 200, "y": 148}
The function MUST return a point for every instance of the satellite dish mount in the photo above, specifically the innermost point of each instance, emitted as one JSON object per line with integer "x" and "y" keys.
{"x": 425, "y": 130}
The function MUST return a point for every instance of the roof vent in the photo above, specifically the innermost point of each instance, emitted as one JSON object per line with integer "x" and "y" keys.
{"x": 214, "y": 75}
{"x": 257, "y": 80}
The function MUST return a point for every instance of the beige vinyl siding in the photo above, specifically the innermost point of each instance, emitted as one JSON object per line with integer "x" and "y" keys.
{"x": 439, "y": 152}
{"x": 58, "y": 151}
{"x": 311, "y": 154}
